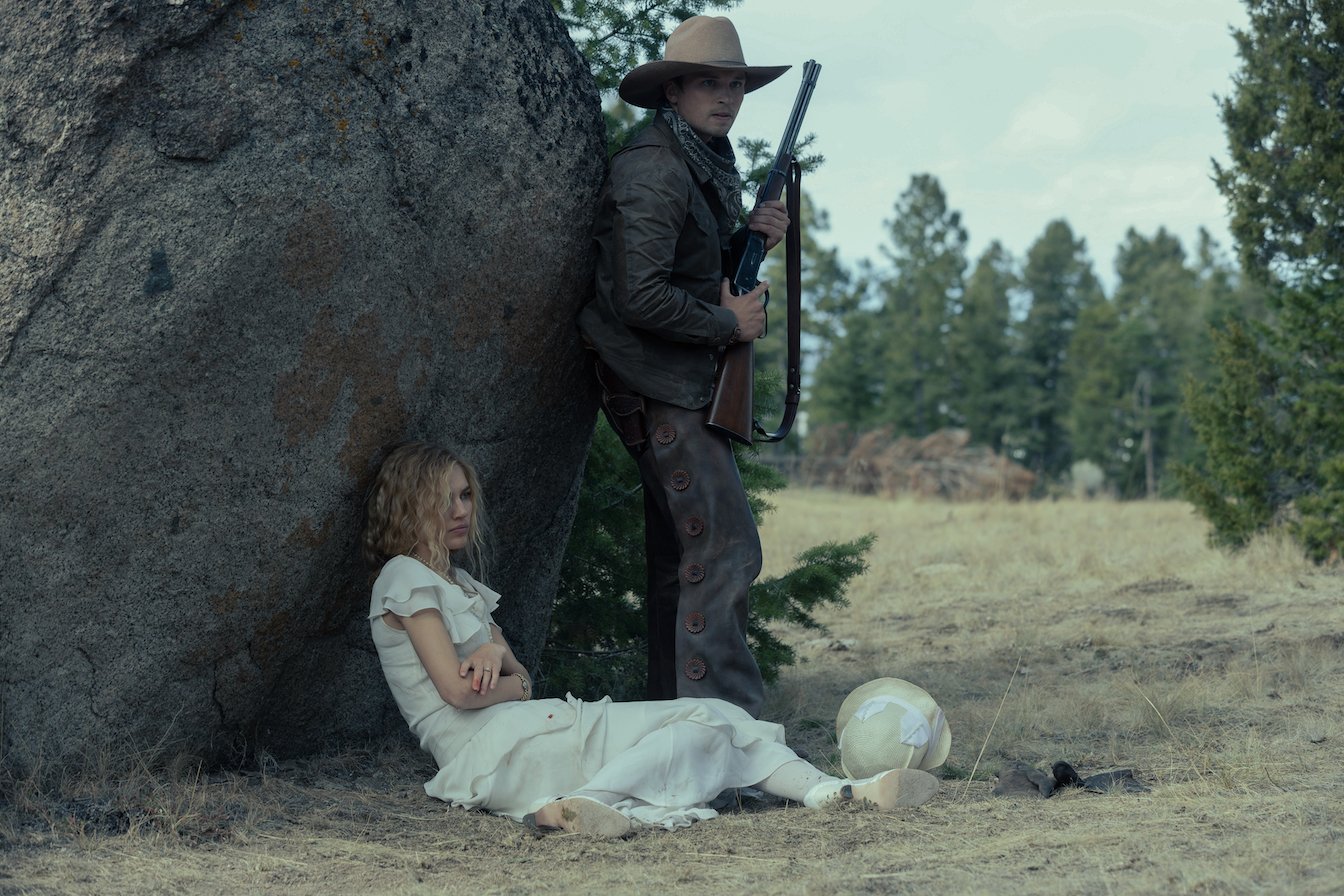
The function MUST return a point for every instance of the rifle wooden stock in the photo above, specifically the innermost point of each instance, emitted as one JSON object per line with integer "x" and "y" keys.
{"x": 730, "y": 408}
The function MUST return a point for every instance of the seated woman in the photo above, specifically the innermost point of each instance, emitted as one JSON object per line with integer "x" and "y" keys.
{"x": 593, "y": 767}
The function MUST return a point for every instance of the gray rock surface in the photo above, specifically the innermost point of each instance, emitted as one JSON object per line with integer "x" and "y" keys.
{"x": 245, "y": 246}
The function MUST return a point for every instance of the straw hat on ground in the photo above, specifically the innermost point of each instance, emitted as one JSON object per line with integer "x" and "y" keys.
{"x": 699, "y": 43}
{"x": 890, "y": 723}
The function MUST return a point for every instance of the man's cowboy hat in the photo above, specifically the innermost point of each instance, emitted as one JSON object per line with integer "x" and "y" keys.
{"x": 699, "y": 43}
{"x": 890, "y": 723}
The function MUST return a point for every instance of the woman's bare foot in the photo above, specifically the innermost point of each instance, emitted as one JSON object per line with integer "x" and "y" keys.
{"x": 582, "y": 815}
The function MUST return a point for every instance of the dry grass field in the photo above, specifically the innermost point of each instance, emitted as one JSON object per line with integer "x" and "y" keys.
{"x": 1104, "y": 634}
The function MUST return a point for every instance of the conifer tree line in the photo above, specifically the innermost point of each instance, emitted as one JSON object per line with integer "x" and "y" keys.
{"x": 1031, "y": 355}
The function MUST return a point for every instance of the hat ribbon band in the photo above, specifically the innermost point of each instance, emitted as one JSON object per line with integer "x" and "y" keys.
{"x": 916, "y": 730}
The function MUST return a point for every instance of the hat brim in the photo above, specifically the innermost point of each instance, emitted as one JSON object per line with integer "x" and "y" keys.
{"x": 643, "y": 87}
{"x": 905, "y": 756}
{"x": 936, "y": 754}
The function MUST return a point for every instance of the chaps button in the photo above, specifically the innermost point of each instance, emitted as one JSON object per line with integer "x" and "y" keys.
{"x": 696, "y": 668}
{"x": 693, "y": 526}
{"x": 665, "y": 434}
{"x": 695, "y": 623}
{"x": 694, "y": 572}
{"x": 680, "y": 480}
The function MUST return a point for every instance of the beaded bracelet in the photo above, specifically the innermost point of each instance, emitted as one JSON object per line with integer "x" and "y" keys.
{"x": 527, "y": 686}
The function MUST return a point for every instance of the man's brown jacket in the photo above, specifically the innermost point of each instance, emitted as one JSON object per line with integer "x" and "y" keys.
{"x": 656, "y": 319}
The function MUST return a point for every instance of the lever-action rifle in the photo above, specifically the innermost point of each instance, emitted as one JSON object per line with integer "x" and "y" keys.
{"x": 730, "y": 410}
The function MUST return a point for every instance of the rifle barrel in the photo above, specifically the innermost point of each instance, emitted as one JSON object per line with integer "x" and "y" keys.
{"x": 745, "y": 278}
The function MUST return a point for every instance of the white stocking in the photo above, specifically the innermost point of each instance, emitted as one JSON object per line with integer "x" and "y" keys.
{"x": 793, "y": 780}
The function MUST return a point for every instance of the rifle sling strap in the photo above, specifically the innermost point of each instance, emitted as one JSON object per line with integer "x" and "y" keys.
{"x": 793, "y": 256}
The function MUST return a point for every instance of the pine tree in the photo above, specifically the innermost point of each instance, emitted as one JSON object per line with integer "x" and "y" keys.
{"x": 1249, "y": 471}
{"x": 1285, "y": 183}
{"x": 1225, "y": 295}
{"x": 1097, "y": 418}
{"x": 1269, "y": 419}
{"x": 1270, "y": 425}
{"x": 979, "y": 351}
{"x": 849, "y": 382}
{"x": 1157, "y": 302}
{"x": 1059, "y": 280}
{"x": 928, "y": 256}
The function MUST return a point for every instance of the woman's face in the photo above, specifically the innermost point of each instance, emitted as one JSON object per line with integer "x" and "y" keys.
{"x": 457, "y": 512}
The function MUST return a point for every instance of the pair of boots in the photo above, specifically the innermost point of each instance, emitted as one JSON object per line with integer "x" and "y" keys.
{"x": 1021, "y": 779}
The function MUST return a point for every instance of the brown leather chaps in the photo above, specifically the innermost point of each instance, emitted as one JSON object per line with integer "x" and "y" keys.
{"x": 702, "y": 552}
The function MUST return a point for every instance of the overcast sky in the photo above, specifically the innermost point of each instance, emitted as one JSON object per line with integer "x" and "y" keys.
{"x": 1101, "y": 113}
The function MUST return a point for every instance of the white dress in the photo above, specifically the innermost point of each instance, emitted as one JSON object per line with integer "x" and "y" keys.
{"x": 658, "y": 762}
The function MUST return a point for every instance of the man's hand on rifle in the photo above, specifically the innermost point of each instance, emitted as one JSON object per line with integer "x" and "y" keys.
{"x": 747, "y": 308}
{"x": 771, "y": 220}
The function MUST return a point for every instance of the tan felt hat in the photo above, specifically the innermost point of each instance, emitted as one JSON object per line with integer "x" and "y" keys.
{"x": 699, "y": 43}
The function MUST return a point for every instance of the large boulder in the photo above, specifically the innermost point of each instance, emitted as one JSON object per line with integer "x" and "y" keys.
{"x": 244, "y": 247}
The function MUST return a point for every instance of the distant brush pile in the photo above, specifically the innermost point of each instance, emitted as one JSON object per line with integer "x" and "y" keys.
{"x": 942, "y": 464}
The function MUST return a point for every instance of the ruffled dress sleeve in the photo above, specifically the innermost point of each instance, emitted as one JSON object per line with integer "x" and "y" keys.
{"x": 406, "y": 586}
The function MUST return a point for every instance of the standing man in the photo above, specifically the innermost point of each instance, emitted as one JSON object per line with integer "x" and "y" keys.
{"x": 668, "y": 222}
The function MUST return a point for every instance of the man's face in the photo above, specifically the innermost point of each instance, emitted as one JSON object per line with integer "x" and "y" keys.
{"x": 708, "y": 100}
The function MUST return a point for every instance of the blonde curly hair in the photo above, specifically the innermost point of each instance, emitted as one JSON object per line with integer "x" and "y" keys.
{"x": 402, "y": 514}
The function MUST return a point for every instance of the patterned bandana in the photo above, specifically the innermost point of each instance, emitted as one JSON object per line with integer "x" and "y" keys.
{"x": 714, "y": 161}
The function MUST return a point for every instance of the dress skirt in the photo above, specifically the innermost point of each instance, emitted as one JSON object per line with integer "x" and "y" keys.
{"x": 658, "y": 762}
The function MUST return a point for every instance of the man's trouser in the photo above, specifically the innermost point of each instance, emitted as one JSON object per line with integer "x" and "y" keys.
{"x": 701, "y": 548}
